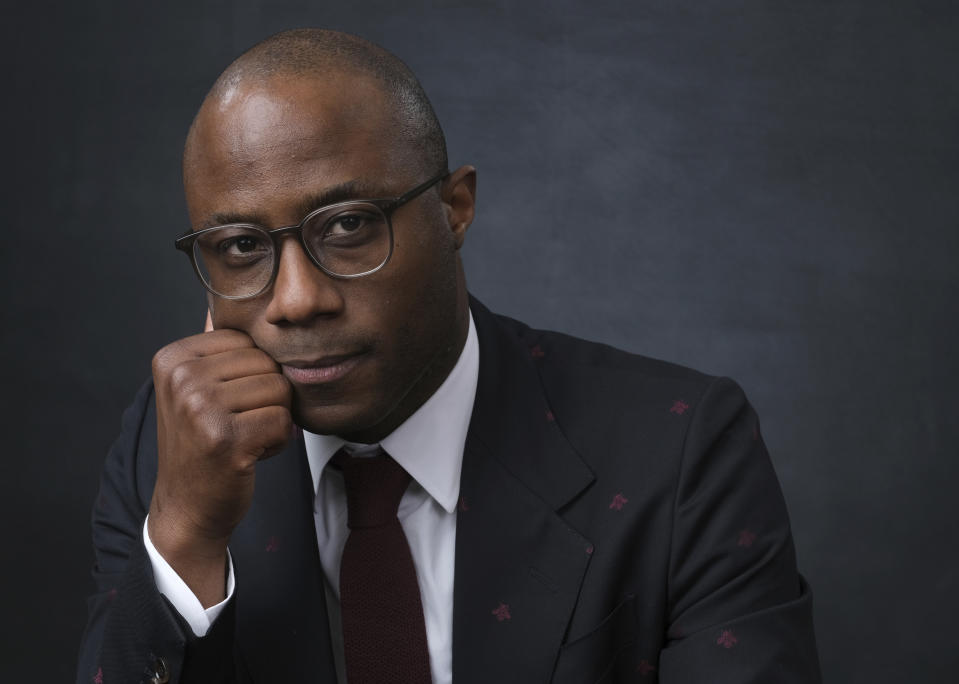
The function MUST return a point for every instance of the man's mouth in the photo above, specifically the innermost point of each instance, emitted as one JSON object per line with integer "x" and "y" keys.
{"x": 319, "y": 371}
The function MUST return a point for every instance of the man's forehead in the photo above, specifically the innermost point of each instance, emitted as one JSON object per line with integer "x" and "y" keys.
{"x": 289, "y": 147}
{"x": 277, "y": 113}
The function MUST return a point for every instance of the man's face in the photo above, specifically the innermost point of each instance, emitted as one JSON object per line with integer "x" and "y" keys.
{"x": 361, "y": 354}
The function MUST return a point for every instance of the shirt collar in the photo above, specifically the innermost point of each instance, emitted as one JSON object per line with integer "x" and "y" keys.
{"x": 429, "y": 444}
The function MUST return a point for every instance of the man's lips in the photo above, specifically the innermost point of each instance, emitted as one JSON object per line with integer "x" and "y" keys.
{"x": 319, "y": 371}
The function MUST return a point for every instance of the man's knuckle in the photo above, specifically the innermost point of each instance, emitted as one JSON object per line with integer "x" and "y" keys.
{"x": 196, "y": 403}
{"x": 216, "y": 434}
{"x": 181, "y": 378}
{"x": 163, "y": 359}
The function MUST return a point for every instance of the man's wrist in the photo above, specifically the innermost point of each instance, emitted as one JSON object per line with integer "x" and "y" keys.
{"x": 183, "y": 599}
{"x": 202, "y": 564}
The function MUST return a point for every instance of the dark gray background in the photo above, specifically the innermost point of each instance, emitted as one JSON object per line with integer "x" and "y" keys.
{"x": 757, "y": 189}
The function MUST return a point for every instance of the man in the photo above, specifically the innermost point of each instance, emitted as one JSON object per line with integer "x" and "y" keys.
{"x": 362, "y": 474}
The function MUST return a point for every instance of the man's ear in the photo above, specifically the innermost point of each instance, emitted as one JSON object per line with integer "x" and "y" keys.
{"x": 459, "y": 201}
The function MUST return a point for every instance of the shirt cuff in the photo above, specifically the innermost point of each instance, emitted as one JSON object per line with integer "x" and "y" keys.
{"x": 178, "y": 593}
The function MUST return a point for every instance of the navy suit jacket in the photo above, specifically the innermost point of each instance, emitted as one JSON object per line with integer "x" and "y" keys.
{"x": 619, "y": 521}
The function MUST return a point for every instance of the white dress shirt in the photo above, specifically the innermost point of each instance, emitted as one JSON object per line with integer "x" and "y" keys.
{"x": 429, "y": 446}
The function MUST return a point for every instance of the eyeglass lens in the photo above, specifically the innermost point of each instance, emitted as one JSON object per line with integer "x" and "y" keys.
{"x": 346, "y": 240}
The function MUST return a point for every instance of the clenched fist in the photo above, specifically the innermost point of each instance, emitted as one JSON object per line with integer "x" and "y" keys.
{"x": 222, "y": 405}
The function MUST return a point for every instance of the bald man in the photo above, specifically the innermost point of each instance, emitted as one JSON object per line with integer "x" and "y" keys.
{"x": 552, "y": 509}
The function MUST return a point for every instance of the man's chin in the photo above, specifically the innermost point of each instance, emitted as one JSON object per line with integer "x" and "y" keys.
{"x": 323, "y": 420}
{"x": 343, "y": 419}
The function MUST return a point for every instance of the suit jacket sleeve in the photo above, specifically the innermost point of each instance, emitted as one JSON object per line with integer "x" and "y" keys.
{"x": 133, "y": 634}
{"x": 738, "y": 611}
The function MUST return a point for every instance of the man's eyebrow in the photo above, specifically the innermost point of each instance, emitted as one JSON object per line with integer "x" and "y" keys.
{"x": 222, "y": 218}
{"x": 356, "y": 189}
{"x": 349, "y": 190}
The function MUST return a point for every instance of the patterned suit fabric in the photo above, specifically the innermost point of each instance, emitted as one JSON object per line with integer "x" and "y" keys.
{"x": 619, "y": 521}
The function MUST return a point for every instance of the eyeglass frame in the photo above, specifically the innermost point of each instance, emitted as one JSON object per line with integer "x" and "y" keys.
{"x": 185, "y": 242}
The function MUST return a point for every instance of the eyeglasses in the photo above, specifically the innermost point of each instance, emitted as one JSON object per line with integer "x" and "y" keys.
{"x": 345, "y": 240}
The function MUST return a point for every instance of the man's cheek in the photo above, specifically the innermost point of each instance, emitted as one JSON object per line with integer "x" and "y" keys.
{"x": 233, "y": 315}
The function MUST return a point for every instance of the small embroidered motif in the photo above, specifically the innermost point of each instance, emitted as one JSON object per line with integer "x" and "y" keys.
{"x": 644, "y": 668}
{"x": 727, "y": 639}
{"x": 550, "y": 417}
{"x": 463, "y": 505}
{"x": 746, "y": 538}
{"x": 618, "y": 502}
{"x": 679, "y": 407}
{"x": 502, "y": 612}
{"x": 112, "y": 594}
{"x": 537, "y": 352}
{"x": 98, "y": 677}
{"x": 589, "y": 550}
{"x": 273, "y": 544}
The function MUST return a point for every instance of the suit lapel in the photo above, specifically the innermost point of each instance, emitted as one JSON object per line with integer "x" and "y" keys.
{"x": 282, "y": 624}
{"x": 519, "y": 565}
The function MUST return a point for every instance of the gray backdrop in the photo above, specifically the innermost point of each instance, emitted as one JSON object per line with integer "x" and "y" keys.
{"x": 766, "y": 190}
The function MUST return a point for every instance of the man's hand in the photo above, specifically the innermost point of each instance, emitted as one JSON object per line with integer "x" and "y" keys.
{"x": 222, "y": 405}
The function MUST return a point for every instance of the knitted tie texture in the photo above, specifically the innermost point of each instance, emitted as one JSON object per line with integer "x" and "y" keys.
{"x": 384, "y": 632}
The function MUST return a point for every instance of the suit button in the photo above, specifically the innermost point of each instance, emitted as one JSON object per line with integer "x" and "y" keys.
{"x": 160, "y": 674}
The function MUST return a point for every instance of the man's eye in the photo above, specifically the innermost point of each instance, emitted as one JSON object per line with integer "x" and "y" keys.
{"x": 243, "y": 244}
{"x": 346, "y": 224}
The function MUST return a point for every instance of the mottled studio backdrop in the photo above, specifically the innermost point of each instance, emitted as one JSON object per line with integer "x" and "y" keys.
{"x": 766, "y": 190}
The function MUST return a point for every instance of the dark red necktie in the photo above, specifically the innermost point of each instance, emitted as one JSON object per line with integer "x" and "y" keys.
{"x": 384, "y": 632}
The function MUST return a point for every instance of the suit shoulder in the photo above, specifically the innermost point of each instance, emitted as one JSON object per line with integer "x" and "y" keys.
{"x": 595, "y": 389}
{"x": 559, "y": 352}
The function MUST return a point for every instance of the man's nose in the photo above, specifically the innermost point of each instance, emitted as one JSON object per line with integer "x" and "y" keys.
{"x": 301, "y": 291}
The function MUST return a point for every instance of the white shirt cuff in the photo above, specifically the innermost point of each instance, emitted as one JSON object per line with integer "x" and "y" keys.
{"x": 179, "y": 594}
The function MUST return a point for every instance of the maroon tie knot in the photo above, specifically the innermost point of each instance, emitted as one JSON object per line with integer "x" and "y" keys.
{"x": 374, "y": 487}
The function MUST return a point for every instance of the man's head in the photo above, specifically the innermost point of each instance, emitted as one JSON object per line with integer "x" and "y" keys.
{"x": 309, "y": 118}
